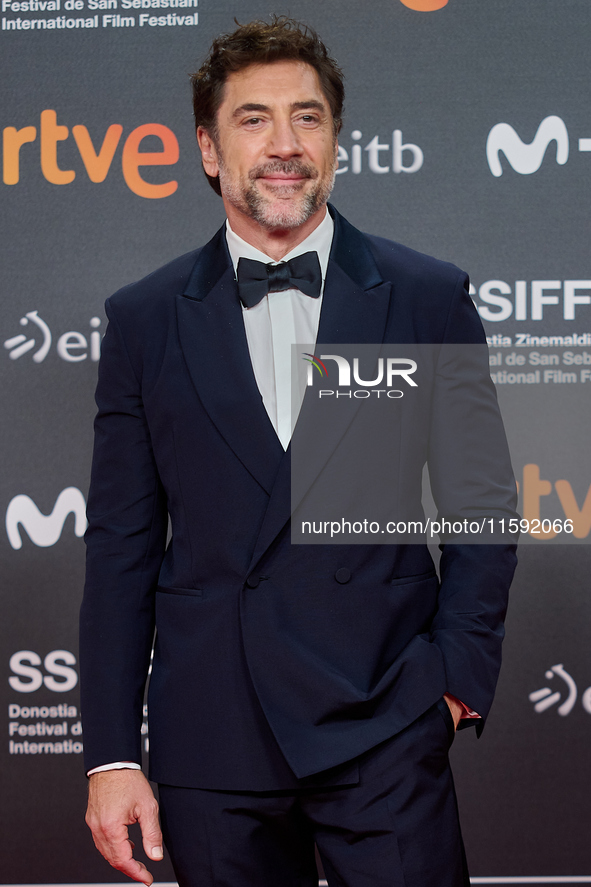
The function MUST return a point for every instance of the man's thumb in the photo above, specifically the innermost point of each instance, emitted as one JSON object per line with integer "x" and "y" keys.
{"x": 151, "y": 835}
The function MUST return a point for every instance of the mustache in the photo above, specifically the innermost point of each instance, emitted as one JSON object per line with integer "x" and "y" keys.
{"x": 287, "y": 167}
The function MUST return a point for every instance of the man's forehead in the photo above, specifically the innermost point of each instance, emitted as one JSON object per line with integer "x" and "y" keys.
{"x": 272, "y": 83}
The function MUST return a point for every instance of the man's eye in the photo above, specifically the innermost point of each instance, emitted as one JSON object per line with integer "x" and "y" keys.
{"x": 253, "y": 121}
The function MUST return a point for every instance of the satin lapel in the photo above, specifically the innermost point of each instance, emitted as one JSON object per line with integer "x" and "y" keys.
{"x": 354, "y": 311}
{"x": 213, "y": 341}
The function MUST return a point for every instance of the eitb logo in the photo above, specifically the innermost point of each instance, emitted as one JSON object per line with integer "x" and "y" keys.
{"x": 387, "y": 371}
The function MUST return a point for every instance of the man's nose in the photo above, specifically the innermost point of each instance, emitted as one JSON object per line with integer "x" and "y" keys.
{"x": 284, "y": 141}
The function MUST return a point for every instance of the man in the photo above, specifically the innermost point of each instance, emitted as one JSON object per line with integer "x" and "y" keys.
{"x": 297, "y": 692}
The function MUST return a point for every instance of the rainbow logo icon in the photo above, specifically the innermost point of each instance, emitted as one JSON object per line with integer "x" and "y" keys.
{"x": 315, "y": 362}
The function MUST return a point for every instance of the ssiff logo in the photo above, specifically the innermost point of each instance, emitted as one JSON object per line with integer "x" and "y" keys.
{"x": 546, "y": 697}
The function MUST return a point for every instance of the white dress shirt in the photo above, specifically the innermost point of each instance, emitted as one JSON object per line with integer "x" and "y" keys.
{"x": 279, "y": 321}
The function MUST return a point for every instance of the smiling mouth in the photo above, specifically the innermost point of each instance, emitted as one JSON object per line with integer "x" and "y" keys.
{"x": 283, "y": 188}
{"x": 276, "y": 178}
{"x": 285, "y": 175}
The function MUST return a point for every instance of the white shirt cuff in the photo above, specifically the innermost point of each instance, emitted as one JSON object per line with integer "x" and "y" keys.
{"x": 118, "y": 765}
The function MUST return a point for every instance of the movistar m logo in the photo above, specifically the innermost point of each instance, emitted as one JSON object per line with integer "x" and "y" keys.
{"x": 526, "y": 158}
{"x": 44, "y": 529}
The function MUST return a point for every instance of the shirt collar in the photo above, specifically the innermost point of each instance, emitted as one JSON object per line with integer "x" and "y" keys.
{"x": 319, "y": 240}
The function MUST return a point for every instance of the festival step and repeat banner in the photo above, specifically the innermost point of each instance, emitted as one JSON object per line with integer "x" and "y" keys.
{"x": 467, "y": 135}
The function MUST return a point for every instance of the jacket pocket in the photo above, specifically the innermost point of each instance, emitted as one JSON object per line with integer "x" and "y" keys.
{"x": 447, "y": 716}
{"x": 190, "y": 592}
{"x": 411, "y": 580}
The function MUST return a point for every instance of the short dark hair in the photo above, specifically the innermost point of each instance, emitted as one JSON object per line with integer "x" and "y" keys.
{"x": 258, "y": 42}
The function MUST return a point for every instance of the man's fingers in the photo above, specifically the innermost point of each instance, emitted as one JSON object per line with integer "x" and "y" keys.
{"x": 118, "y": 798}
{"x": 138, "y": 872}
{"x": 113, "y": 842}
{"x": 455, "y": 708}
{"x": 133, "y": 868}
{"x": 119, "y": 853}
{"x": 151, "y": 834}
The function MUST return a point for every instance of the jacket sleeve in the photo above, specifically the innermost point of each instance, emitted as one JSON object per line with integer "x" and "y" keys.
{"x": 126, "y": 540}
{"x": 471, "y": 480}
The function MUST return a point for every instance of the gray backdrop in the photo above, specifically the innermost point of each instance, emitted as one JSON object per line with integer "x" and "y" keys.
{"x": 516, "y": 217}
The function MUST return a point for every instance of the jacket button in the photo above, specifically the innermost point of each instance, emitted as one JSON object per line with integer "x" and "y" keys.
{"x": 252, "y": 581}
{"x": 342, "y": 575}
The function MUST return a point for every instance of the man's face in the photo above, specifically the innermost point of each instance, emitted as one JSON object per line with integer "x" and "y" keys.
{"x": 275, "y": 147}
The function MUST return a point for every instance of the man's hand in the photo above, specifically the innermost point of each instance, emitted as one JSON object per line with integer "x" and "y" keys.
{"x": 116, "y": 799}
{"x": 455, "y": 708}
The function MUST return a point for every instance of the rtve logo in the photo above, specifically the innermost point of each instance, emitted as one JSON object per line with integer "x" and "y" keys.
{"x": 533, "y": 488}
{"x": 45, "y": 530}
{"x": 97, "y": 160}
{"x": 526, "y": 157}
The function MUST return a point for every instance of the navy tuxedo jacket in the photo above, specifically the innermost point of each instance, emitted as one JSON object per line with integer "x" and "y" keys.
{"x": 273, "y": 662}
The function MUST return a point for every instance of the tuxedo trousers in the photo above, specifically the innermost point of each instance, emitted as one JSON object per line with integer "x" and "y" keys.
{"x": 398, "y": 827}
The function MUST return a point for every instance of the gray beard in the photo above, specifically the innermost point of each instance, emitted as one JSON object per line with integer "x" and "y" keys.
{"x": 249, "y": 200}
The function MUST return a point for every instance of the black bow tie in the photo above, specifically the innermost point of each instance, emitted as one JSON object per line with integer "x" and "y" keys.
{"x": 256, "y": 279}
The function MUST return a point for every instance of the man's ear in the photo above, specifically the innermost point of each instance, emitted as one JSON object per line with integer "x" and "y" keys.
{"x": 209, "y": 156}
{"x": 336, "y": 153}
